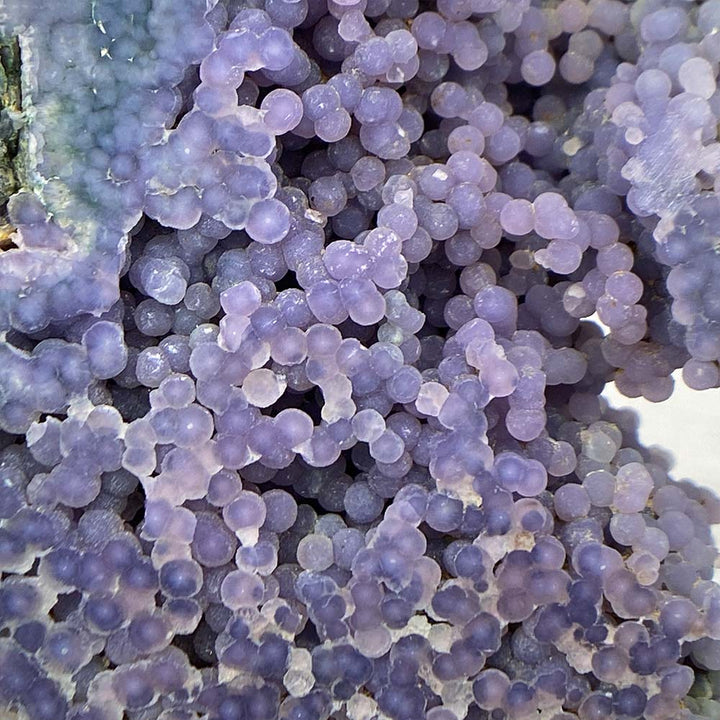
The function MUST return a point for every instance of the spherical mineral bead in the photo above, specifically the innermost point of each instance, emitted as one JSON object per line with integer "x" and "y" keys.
{"x": 94, "y": 575}
{"x": 281, "y": 511}
{"x": 132, "y": 687}
{"x": 678, "y": 617}
{"x": 430, "y": 399}
{"x": 630, "y": 701}
{"x": 367, "y": 173}
{"x": 344, "y": 154}
{"x": 626, "y": 529}
{"x": 609, "y": 664}
{"x": 241, "y": 589}
{"x": 202, "y": 300}
{"x": 213, "y": 544}
{"x": 613, "y": 258}
{"x": 165, "y": 279}
{"x": 436, "y": 182}
{"x": 276, "y": 48}
{"x": 149, "y": 633}
{"x": 224, "y": 487}
{"x": 325, "y": 302}
{"x": 624, "y": 287}
{"x": 592, "y": 560}
{"x": 444, "y": 513}
{"x": 595, "y": 707}
{"x": 152, "y": 367}
{"x": 334, "y": 126}
{"x": 152, "y": 318}
{"x": 517, "y": 217}
{"x": 571, "y": 502}
{"x": 633, "y": 485}
{"x": 263, "y": 387}
{"x": 700, "y": 375}
{"x": 388, "y": 448}
{"x": 289, "y": 347}
{"x": 43, "y": 699}
{"x": 319, "y": 100}
{"x": 669, "y": 497}
{"x": 193, "y": 426}
{"x": 368, "y": 425}
{"x": 180, "y": 578}
{"x": 549, "y": 553}
{"x": 346, "y": 545}
{"x": 282, "y": 109}
{"x": 573, "y": 14}
{"x": 315, "y": 552}
{"x": 177, "y": 391}
{"x": 268, "y": 221}
{"x": 177, "y": 351}
{"x": 489, "y": 689}
{"x": 241, "y": 299}
{"x": 363, "y": 301}
{"x": 600, "y": 486}
{"x": 429, "y": 30}
{"x": 654, "y": 541}
{"x": 398, "y": 218}
{"x": 537, "y": 68}
{"x": 697, "y": 76}
{"x": 678, "y": 527}
{"x": 468, "y": 562}
{"x": 104, "y": 612}
{"x": 327, "y": 195}
{"x": 466, "y": 143}
{"x": 676, "y": 681}
{"x": 294, "y": 427}
{"x": 374, "y": 56}
{"x": 385, "y": 359}
{"x": 404, "y": 385}
{"x": 361, "y": 504}
{"x": 62, "y": 566}
{"x": 105, "y": 346}
{"x": 496, "y": 305}
{"x": 246, "y": 511}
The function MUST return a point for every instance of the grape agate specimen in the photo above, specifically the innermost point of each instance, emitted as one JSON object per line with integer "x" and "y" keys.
{"x": 306, "y": 311}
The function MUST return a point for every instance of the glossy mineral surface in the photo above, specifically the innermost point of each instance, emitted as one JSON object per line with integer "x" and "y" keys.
{"x": 300, "y": 372}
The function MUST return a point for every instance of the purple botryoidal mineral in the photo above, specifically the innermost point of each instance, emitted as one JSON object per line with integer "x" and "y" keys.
{"x": 304, "y": 324}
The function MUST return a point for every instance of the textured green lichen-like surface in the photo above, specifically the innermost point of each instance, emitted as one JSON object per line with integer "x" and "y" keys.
{"x": 704, "y": 696}
{"x": 10, "y": 119}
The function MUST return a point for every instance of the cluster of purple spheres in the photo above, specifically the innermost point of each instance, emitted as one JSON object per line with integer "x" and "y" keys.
{"x": 300, "y": 386}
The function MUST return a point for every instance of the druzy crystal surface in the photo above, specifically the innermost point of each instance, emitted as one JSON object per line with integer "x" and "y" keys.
{"x": 306, "y": 309}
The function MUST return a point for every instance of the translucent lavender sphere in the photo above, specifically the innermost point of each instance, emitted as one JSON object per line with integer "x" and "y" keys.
{"x": 306, "y": 315}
